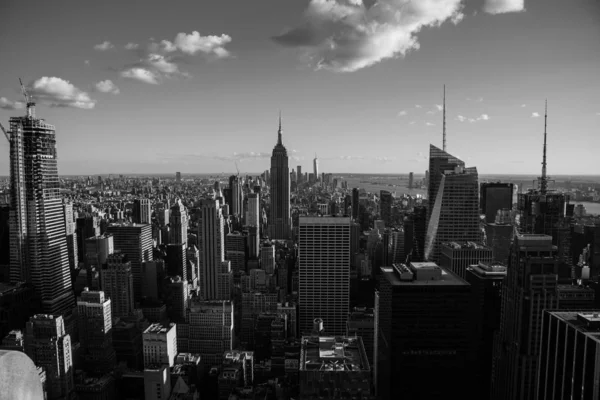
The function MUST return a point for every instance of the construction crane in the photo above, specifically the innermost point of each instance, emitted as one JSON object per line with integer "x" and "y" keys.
{"x": 28, "y": 100}
{"x": 5, "y": 133}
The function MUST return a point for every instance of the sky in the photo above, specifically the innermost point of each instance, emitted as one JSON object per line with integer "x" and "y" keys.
{"x": 148, "y": 86}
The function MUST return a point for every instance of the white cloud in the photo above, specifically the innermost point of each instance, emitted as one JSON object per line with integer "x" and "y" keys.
{"x": 535, "y": 115}
{"x": 483, "y": 117}
{"x": 141, "y": 74}
{"x": 131, "y": 46}
{"x": 87, "y": 62}
{"x": 57, "y": 92}
{"x": 384, "y": 159}
{"x": 479, "y": 100}
{"x": 351, "y": 157}
{"x": 523, "y": 105}
{"x": 161, "y": 64}
{"x": 412, "y": 122}
{"x": 107, "y": 86}
{"x": 439, "y": 107}
{"x": 471, "y": 119}
{"x": 503, "y": 6}
{"x": 430, "y": 112}
{"x": 193, "y": 43}
{"x": 460, "y": 118}
{"x": 402, "y": 113}
{"x": 348, "y": 35}
{"x": 418, "y": 106}
{"x": 429, "y": 124}
{"x": 106, "y": 45}
{"x": 6, "y": 104}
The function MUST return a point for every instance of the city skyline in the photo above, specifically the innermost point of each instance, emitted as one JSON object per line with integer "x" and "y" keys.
{"x": 120, "y": 91}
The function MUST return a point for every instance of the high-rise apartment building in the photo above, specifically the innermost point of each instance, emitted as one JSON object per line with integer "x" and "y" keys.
{"x": 570, "y": 355}
{"x": 453, "y": 201}
{"x": 134, "y": 240}
{"x": 411, "y": 180}
{"x": 324, "y": 272}
{"x": 210, "y": 330}
{"x": 94, "y": 317}
{"x": 529, "y": 289}
{"x": 160, "y": 345}
{"x": 300, "y": 175}
{"x": 495, "y": 196}
{"x": 457, "y": 257}
{"x": 280, "y": 221}
{"x": 117, "y": 284}
{"x": 422, "y": 324}
{"x": 49, "y": 346}
{"x": 38, "y": 244}
{"x": 142, "y": 211}
{"x": 385, "y": 207}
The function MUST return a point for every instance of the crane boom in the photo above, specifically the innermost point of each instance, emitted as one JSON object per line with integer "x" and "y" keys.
{"x": 5, "y": 133}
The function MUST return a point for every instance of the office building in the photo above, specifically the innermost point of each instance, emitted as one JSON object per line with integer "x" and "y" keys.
{"x": 411, "y": 180}
{"x": 210, "y": 330}
{"x": 300, "y": 175}
{"x": 177, "y": 263}
{"x": 117, "y": 284}
{"x": 570, "y": 355}
{"x": 495, "y": 196}
{"x": 94, "y": 317}
{"x": 38, "y": 244}
{"x": 396, "y": 252}
{"x": 160, "y": 345}
{"x": 334, "y": 366}
{"x": 280, "y": 221}
{"x": 153, "y": 273}
{"x": 157, "y": 382}
{"x": 253, "y": 215}
{"x": 97, "y": 250}
{"x": 176, "y": 296}
{"x": 453, "y": 203}
{"x": 70, "y": 229}
{"x": 178, "y": 177}
{"x": 499, "y": 235}
{"x": 316, "y": 168}
{"x": 235, "y": 251}
{"x": 486, "y": 280}
{"x": 142, "y": 211}
{"x": 178, "y": 222}
{"x": 361, "y": 323}
{"x": 267, "y": 257}
{"x": 49, "y": 346}
{"x": 385, "y": 205}
{"x": 324, "y": 272}
{"x": 457, "y": 257}
{"x": 529, "y": 289}
{"x": 422, "y": 323}
{"x": 135, "y": 241}
{"x": 355, "y": 202}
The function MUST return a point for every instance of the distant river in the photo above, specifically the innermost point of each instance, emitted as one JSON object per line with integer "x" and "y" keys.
{"x": 590, "y": 208}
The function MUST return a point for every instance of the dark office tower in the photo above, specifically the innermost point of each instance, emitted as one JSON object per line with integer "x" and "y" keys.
{"x": 142, "y": 211}
{"x": 324, "y": 272}
{"x": 316, "y": 167}
{"x": 385, "y": 205}
{"x": 38, "y": 249}
{"x": 581, "y": 237}
{"x": 178, "y": 221}
{"x": 227, "y": 196}
{"x": 94, "y": 316}
{"x": 411, "y": 180}
{"x": 570, "y": 356}
{"x": 456, "y": 257}
{"x": 235, "y": 252}
{"x": 280, "y": 221}
{"x": 486, "y": 282}
{"x": 177, "y": 261}
{"x": 212, "y": 250}
{"x": 499, "y": 234}
{"x": 299, "y": 173}
{"x": 495, "y": 196}
{"x": 453, "y": 201}
{"x": 355, "y": 200}
{"x": 117, "y": 284}
{"x": 134, "y": 240}
{"x": 423, "y": 329}
{"x": 70, "y": 228}
{"x": 419, "y": 232}
{"x": 530, "y": 287}
{"x": 253, "y": 242}
{"x": 178, "y": 177}
{"x": 237, "y": 196}
{"x": 4, "y": 243}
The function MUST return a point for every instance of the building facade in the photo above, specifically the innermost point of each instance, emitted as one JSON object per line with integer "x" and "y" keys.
{"x": 280, "y": 221}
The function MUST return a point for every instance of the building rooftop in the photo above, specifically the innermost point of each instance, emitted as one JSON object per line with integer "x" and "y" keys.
{"x": 324, "y": 220}
{"x": 488, "y": 270}
{"x": 333, "y": 353}
{"x": 400, "y": 275}
{"x": 464, "y": 245}
{"x": 159, "y": 328}
{"x": 587, "y": 321}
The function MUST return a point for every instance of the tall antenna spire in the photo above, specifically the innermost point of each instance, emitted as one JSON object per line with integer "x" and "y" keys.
{"x": 544, "y": 178}
{"x": 444, "y": 121}
{"x": 279, "y": 130}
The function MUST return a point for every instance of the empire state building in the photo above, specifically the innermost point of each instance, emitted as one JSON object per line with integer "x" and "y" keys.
{"x": 280, "y": 222}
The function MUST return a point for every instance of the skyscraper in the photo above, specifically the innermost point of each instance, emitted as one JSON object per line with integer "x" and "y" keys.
{"x": 316, "y": 167}
{"x": 300, "y": 175}
{"x": 280, "y": 222}
{"x": 142, "y": 211}
{"x": 94, "y": 315}
{"x": 178, "y": 220}
{"x": 39, "y": 252}
{"x": 385, "y": 206}
{"x": 70, "y": 228}
{"x": 453, "y": 213}
{"x": 117, "y": 284}
{"x": 495, "y": 196}
{"x": 324, "y": 272}
{"x": 134, "y": 240}
{"x": 253, "y": 217}
{"x": 355, "y": 201}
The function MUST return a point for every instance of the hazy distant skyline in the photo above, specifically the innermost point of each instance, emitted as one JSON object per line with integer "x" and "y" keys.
{"x": 144, "y": 86}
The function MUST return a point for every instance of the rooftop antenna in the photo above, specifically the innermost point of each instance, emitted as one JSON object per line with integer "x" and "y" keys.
{"x": 28, "y": 100}
{"x": 544, "y": 178}
{"x": 279, "y": 130}
{"x": 444, "y": 121}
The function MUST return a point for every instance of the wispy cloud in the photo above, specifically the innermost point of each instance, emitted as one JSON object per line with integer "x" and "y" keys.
{"x": 418, "y": 106}
{"x": 439, "y": 107}
{"x": 420, "y": 157}
{"x": 106, "y": 45}
{"x": 535, "y": 115}
{"x": 523, "y": 105}
{"x": 141, "y": 75}
{"x": 87, "y": 62}
{"x": 503, "y": 6}
{"x": 384, "y": 159}
{"x": 131, "y": 46}
{"x": 429, "y": 124}
{"x": 57, "y": 92}
{"x": 482, "y": 117}
{"x": 402, "y": 113}
{"x": 107, "y": 86}
{"x": 461, "y": 118}
{"x": 195, "y": 43}
{"x": 6, "y": 104}
{"x": 412, "y": 122}
{"x": 430, "y": 112}
{"x": 348, "y": 35}
{"x": 352, "y": 158}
